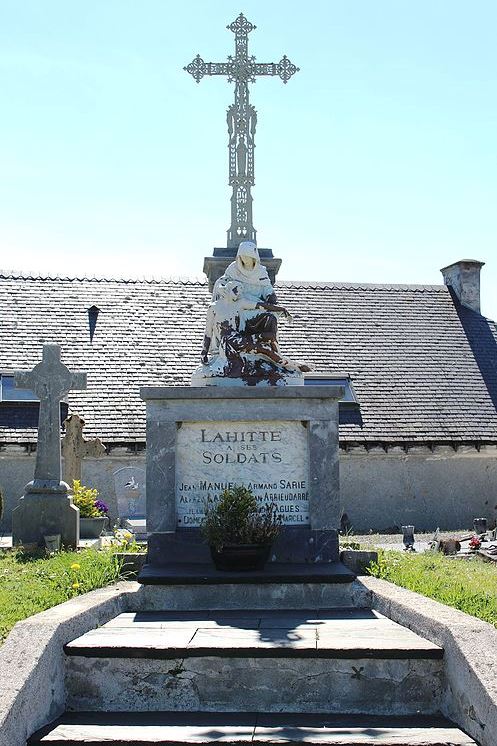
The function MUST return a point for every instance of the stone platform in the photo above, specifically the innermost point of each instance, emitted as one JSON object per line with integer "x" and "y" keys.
{"x": 317, "y": 660}
{"x": 338, "y": 676}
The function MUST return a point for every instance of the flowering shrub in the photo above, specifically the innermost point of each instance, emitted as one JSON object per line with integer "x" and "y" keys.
{"x": 124, "y": 541}
{"x": 86, "y": 500}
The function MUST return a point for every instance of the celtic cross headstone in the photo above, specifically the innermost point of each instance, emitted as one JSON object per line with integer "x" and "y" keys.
{"x": 46, "y": 508}
{"x": 241, "y": 69}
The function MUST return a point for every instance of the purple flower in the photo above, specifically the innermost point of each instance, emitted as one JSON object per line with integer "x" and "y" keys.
{"x": 101, "y": 506}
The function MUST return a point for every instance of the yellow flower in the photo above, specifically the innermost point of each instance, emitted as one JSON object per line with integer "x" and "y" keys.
{"x": 75, "y": 566}
{"x": 75, "y": 585}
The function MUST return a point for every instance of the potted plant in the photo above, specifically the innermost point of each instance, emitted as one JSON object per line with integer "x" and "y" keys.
{"x": 239, "y": 531}
{"x": 92, "y": 511}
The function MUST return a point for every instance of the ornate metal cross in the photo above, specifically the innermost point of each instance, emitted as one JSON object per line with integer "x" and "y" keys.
{"x": 242, "y": 119}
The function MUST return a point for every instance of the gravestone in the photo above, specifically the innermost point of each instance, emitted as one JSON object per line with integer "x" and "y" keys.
{"x": 129, "y": 484}
{"x": 75, "y": 448}
{"x": 46, "y": 507}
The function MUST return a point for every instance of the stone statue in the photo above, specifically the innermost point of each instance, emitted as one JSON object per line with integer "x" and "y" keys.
{"x": 241, "y": 340}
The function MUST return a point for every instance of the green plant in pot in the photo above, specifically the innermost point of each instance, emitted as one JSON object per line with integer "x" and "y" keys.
{"x": 239, "y": 531}
{"x": 93, "y": 513}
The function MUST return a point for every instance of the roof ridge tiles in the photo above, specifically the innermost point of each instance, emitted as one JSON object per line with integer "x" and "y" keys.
{"x": 360, "y": 286}
{"x": 179, "y": 280}
{"x": 20, "y": 275}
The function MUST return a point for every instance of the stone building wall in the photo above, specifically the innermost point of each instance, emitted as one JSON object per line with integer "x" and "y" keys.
{"x": 380, "y": 488}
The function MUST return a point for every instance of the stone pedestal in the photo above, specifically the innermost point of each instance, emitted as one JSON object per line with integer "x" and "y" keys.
{"x": 45, "y": 514}
{"x": 280, "y": 442}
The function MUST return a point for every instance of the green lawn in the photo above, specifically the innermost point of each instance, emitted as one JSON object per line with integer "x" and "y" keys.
{"x": 32, "y": 584}
{"x": 469, "y": 585}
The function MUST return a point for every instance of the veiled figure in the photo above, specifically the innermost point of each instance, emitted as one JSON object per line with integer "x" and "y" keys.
{"x": 241, "y": 333}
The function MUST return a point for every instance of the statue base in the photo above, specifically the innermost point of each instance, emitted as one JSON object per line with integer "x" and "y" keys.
{"x": 250, "y": 370}
{"x": 41, "y": 514}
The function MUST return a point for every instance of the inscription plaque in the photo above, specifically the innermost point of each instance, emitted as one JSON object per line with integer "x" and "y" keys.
{"x": 269, "y": 457}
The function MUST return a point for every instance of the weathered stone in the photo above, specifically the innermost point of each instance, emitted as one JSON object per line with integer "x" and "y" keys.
{"x": 263, "y": 684}
{"x": 46, "y": 508}
{"x": 358, "y": 560}
{"x": 464, "y": 278}
{"x": 75, "y": 448}
{"x": 304, "y": 417}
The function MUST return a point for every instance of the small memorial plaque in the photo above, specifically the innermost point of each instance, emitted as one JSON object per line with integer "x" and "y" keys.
{"x": 271, "y": 458}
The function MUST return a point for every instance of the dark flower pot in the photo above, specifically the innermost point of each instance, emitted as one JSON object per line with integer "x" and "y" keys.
{"x": 92, "y": 528}
{"x": 241, "y": 557}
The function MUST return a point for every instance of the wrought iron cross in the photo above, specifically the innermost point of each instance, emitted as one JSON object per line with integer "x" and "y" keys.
{"x": 242, "y": 120}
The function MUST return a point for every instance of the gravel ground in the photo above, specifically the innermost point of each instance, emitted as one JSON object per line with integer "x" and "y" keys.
{"x": 394, "y": 541}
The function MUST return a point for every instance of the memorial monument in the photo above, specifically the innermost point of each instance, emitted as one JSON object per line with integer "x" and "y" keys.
{"x": 247, "y": 418}
{"x": 46, "y": 509}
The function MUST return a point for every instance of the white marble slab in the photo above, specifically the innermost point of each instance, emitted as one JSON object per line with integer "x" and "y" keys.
{"x": 270, "y": 457}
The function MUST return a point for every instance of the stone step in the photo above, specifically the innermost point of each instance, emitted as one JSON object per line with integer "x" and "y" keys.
{"x": 331, "y": 661}
{"x": 191, "y": 587}
{"x": 178, "y": 729}
{"x": 195, "y": 573}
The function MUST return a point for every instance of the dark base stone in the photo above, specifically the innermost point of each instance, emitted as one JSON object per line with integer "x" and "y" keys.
{"x": 40, "y": 515}
{"x": 242, "y": 557}
{"x": 274, "y": 572}
{"x": 299, "y": 555}
{"x": 204, "y": 728}
{"x": 295, "y": 545}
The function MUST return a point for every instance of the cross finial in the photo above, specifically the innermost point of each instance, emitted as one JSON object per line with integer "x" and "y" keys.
{"x": 241, "y": 26}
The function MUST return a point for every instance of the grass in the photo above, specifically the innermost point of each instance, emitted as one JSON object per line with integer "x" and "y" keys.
{"x": 469, "y": 585}
{"x": 29, "y": 584}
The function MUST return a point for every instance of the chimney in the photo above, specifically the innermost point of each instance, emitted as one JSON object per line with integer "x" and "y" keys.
{"x": 464, "y": 279}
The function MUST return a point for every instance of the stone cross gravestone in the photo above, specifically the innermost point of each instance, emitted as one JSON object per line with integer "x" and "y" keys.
{"x": 46, "y": 507}
{"x": 75, "y": 448}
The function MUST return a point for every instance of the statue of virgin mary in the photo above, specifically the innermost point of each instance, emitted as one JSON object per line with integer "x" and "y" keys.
{"x": 241, "y": 333}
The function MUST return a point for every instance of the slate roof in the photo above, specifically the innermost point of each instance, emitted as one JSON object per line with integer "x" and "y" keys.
{"x": 423, "y": 367}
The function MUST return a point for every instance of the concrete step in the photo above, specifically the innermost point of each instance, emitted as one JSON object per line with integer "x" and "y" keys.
{"x": 332, "y": 661}
{"x": 188, "y": 588}
{"x": 176, "y": 729}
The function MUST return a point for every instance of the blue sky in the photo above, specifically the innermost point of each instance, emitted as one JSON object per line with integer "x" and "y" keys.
{"x": 376, "y": 163}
